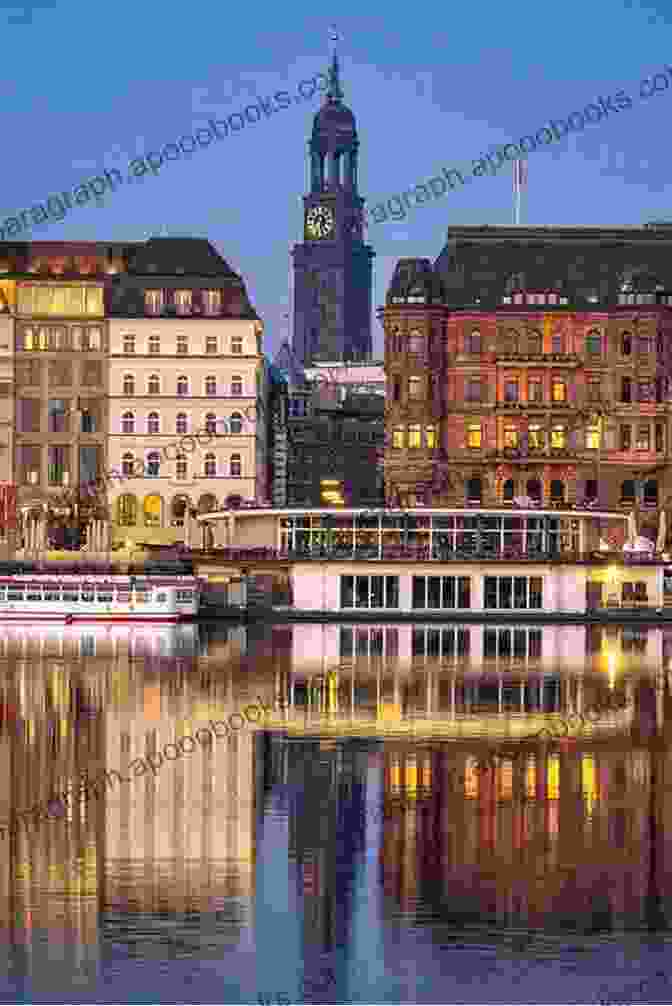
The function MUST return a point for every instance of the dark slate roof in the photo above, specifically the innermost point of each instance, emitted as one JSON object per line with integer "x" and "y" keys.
{"x": 179, "y": 256}
{"x": 415, "y": 277}
{"x": 478, "y": 265}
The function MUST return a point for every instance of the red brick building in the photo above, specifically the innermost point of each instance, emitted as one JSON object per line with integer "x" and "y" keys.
{"x": 531, "y": 362}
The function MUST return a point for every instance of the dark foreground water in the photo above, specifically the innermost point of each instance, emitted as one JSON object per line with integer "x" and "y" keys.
{"x": 399, "y": 835}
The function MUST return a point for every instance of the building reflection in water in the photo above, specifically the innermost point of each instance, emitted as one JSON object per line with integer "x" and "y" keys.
{"x": 368, "y": 720}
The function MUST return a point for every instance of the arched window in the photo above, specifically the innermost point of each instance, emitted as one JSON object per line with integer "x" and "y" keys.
{"x": 211, "y": 423}
{"x": 207, "y": 503}
{"x": 153, "y": 385}
{"x": 534, "y": 489}
{"x": 558, "y": 436}
{"x": 508, "y": 490}
{"x": 127, "y": 510}
{"x": 210, "y": 466}
{"x": 236, "y": 385}
{"x": 628, "y": 491}
{"x": 416, "y": 342}
{"x": 626, "y": 344}
{"x": 127, "y": 465}
{"x": 474, "y": 489}
{"x": 651, "y": 493}
{"x": 154, "y": 343}
{"x": 473, "y": 342}
{"x": 414, "y": 435}
{"x": 182, "y": 385}
{"x": 534, "y": 343}
{"x": 236, "y": 466}
{"x": 594, "y": 343}
{"x": 211, "y": 385}
{"x": 129, "y": 343}
{"x": 414, "y": 388}
{"x": 178, "y": 510}
{"x": 398, "y": 437}
{"x": 152, "y": 510}
{"x": 128, "y": 423}
{"x": 153, "y": 423}
{"x": 181, "y": 424}
{"x": 181, "y": 467}
{"x": 557, "y": 491}
{"x": 236, "y": 423}
{"x": 129, "y": 384}
{"x": 153, "y": 468}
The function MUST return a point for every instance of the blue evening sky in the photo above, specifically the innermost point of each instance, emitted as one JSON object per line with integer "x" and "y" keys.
{"x": 87, "y": 87}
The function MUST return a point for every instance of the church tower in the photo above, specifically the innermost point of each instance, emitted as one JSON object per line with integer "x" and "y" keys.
{"x": 333, "y": 265}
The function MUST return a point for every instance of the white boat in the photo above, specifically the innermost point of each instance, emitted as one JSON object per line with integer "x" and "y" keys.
{"x": 51, "y": 595}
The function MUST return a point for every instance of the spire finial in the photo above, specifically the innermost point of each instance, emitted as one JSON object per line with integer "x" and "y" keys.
{"x": 334, "y": 92}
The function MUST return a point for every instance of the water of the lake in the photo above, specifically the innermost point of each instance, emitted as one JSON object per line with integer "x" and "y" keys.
{"x": 391, "y": 831}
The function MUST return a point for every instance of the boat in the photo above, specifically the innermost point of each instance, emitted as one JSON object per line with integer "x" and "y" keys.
{"x": 39, "y": 592}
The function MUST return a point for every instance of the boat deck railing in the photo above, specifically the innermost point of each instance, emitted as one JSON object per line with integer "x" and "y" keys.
{"x": 425, "y": 554}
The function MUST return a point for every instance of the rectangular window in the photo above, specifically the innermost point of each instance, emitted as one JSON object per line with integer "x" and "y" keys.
{"x": 211, "y": 345}
{"x": 506, "y": 592}
{"x": 441, "y": 592}
{"x": 474, "y": 390}
{"x": 511, "y": 391}
{"x": 59, "y": 415}
{"x": 626, "y": 390}
{"x": 536, "y": 437}
{"x": 449, "y": 644}
{"x": 594, "y": 389}
{"x": 28, "y": 460}
{"x": 558, "y": 437}
{"x": 626, "y": 438}
{"x": 28, "y": 415}
{"x": 58, "y": 457}
{"x": 660, "y": 438}
{"x": 510, "y": 436}
{"x": 593, "y": 438}
{"x": 90, "y": 465}
{"x": 534, "y": 389}
{"x": 369, "y": 592}
{"x": 643, "y": 438}
{"x": 414, "y": 388}
{"x": 474, "y": 435}
{"x": 559, "y": 390}
{"x": 60, "y": 374}
{"x": 594, "y": 344}
{"x": 182, "y": 344}
{"x": 236, "y": 345}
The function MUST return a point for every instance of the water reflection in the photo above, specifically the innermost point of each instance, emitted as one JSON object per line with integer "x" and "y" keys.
{"x": 354, "y": 851}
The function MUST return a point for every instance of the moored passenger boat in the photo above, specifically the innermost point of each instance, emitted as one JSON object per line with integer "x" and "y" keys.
{"x": 54, "y": 592}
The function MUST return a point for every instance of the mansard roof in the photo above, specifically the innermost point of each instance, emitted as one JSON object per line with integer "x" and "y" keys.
{"x": 589, "y": 265}
{"x": 415, "y": 277}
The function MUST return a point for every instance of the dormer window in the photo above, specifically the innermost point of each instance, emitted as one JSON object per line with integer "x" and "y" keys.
{"x": 154, "y": 302}
{"x": 183, "y": 302}
{"x": 212, "y": 302}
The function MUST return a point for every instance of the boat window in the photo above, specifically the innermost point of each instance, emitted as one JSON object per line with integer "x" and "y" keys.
{"x": 104, "y": 597}
{"x": 70, "y": 596}
{"x": 87, "y": 594}
{"x": 185, "y": 596}
{"x": 52, "y": 593}
{"x": 161, "y": 598}
{"x": 2, "y": 593}
{"x": 34, "y": 594}
{"x": 14, "y": 595}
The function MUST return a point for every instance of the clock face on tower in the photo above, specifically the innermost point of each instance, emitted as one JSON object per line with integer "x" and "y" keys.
{"x": 319, "y": 222}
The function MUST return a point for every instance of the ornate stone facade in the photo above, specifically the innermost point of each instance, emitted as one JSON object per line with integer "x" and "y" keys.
{"x": 525, "y": 386}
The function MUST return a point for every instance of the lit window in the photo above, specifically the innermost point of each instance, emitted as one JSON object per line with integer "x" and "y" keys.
{"x": 152, "y": 507}
{"x": 129, "y": 344}
{"x": 182, "y": 385}
{"x": 182, "y": 344}
{"x": 414, "y": 439}
{"x": 153, "y": 424}
{"x": 398, "y": 437}
{"x": 129, "y": 384}
{"x": 430, "y": 434}
{"x": 153, "y": 301}
{"x": 236, "y": 465}
{"x": 210, "y": 344}
{"x": 210, "y": 466}
{"x": 212, "y": 301}
{"x": 593, "y": 438}
{"x": 153, "y": 384}
{"x": 559, "y": 390}
{"x": 127, "y": 507}
{"x": 236, "y": 386}
{"x": 558, "y": 436}
{"x": 128, "y": 423}
{"x": 237, "y": 345}
{"x": 154, "y": 345}
{"x": 510, "y": 436}
{"x": 414, "y": 388}
{"x": 474, "y": 435}
{"x": 181, "y": 423}
{"x": 182, "y": 301}
{"x": 535, "y": 435}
